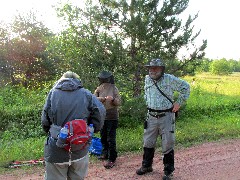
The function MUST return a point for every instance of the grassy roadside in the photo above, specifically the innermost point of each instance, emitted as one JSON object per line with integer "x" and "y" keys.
{"x": 189, "y": 132}
{"x": 211, "y": 114}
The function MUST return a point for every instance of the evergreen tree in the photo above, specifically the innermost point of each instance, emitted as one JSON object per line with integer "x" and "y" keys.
{"x": 131, "y": 32}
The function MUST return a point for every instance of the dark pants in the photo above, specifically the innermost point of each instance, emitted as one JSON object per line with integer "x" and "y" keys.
{"x": 148, "y": 156}
{"x": 108, "y": 139}
{"x": 168, "y": 161}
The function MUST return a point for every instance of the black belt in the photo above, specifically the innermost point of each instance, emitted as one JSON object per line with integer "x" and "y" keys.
{"x": 159, "y": 111}
{"x": 157, "y": 115}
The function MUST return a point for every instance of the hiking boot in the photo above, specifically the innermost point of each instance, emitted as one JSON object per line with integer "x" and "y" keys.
{"x": 144, "y": 170}
{"x": 109, "y": 165}
{"x": 168, "y": 176}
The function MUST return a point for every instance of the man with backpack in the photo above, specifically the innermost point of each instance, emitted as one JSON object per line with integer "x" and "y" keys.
{"x": 159, "y": 91}
{"x": 71, "y": 106}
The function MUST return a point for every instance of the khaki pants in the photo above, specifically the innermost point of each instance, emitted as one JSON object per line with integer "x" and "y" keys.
{"x": 164, "y": 127}
{"x": 61, "y": 171}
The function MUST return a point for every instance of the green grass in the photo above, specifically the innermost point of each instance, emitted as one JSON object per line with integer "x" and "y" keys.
{"x": 18, "y": 149}
{"x": 212, "y": 113}
{"x": 205, "y": 128}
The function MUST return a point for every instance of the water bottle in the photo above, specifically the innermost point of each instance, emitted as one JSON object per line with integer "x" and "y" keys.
{"x": 91, "y": 129}
{"x": 64, "y": 132}
{"x": 62, "y": 137}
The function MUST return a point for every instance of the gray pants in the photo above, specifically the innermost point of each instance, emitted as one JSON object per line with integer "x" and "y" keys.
{"x": 164, "y": 127}
{"x": 61, "y": 171}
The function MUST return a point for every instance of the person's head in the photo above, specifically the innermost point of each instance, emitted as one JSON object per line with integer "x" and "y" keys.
{"x": 70, "y": 74}
{"x": 105, "y": 77}
{"x": 156, "y": 68}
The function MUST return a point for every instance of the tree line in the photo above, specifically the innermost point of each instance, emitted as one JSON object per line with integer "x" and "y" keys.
{"x": 119, "y": 36}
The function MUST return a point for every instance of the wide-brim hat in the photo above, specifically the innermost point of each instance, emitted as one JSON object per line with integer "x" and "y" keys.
{"x": 155, "y": 63}
{"x": 104, "y": 74}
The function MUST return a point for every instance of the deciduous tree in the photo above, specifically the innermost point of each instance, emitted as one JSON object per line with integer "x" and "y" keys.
{"x": 220, "y": 67}
{"x": 24, "y": 58}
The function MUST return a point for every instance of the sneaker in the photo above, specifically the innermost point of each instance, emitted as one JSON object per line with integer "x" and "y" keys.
{"x": 144, "y": 170}
{"x": 168, "y": 176}
{"x": 109, "y": 165}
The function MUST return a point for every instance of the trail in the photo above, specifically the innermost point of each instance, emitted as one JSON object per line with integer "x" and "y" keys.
{"x": 208, "y": 161}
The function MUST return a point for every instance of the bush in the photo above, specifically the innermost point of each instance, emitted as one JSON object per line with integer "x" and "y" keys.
{"x": 132, "y": 112}
{"x": 20, "y": 112}
{"x": 220, "y": 67}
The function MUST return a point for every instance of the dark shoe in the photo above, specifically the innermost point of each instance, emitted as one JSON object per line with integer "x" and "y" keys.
{"x": 109, "y": 165}
{"x": 144, "y": 170}
{"x": 167, "y": 176}
{"x": 102, "y": 157}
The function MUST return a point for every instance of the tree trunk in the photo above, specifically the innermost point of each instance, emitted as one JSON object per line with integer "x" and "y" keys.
{"x": 137, "y": 82}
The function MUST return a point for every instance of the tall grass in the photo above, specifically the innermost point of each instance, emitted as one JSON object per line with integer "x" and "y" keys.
{"x": 211, "y": 113}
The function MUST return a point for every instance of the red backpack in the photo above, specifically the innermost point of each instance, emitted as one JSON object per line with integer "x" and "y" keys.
{"x": 78, "y": 135}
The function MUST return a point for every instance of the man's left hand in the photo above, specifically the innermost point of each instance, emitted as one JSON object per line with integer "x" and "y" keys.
{"x": 176, "y": 107}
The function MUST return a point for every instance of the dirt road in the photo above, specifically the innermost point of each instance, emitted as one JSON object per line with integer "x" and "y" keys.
{"x": 209, "y": 161}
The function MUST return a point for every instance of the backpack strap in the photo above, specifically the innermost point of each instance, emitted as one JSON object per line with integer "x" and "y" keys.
{"x": 70, "y": 128}
{"x": 162, "y": 92}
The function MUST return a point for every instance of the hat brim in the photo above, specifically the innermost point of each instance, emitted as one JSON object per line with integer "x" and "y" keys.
{"x": 153, "y": 66}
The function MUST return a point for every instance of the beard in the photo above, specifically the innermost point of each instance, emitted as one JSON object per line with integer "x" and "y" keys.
{"x": 155, "y": 75}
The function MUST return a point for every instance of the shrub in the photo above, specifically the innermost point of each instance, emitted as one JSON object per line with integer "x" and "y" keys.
{"x": 220, "y": 67}
{"x": 132, "y": 112}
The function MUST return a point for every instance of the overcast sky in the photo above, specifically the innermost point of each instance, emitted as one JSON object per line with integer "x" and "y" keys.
{"x": 218, "y": 21}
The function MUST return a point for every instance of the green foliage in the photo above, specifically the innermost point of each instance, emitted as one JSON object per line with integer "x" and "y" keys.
{"x": 20, "y": 110}
{"x": 21, "y": 149}
{"x": 220, "y": 67}
{"x": 208, "y": 127}
{"x": 121, "y": 36}
{"x": 204, "y": 66}
{"x": 130, "y": 139}
{"x": 23, "y": 56}
{"x": 132, "y": 112}
{"x": 234, "y": 65}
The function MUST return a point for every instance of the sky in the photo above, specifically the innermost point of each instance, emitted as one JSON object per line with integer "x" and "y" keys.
{"x": 218, "y": 21}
